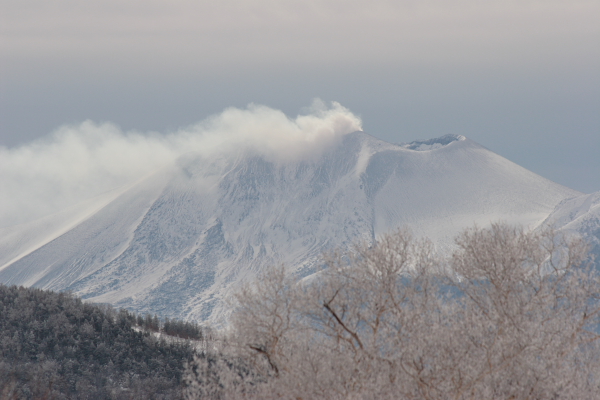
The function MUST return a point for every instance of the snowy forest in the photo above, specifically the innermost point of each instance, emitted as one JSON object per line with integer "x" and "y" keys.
{"x": 55, "y": 346}
{"x": 510, "y": 314}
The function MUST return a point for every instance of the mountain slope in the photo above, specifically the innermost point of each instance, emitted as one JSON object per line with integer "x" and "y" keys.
{"x": 178, "y": 242}
{"x": 581, "y": 216}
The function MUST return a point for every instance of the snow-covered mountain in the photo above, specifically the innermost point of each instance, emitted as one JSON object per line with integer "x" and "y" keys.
{"x": 180, "y": 240}
{"x": 580, "y": 216}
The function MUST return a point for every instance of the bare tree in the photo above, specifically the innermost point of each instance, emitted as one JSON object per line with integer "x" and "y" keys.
{"x": 511, "y": 315}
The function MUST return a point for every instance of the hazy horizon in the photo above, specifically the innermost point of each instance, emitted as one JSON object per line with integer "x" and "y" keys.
{"x": 518, "y": 77}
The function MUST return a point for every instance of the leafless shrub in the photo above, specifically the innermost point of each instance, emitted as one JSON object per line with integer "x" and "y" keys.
{"x": 512, "y": 315}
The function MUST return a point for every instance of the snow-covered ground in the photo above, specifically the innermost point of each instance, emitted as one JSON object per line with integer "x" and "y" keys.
{"x": 580, "y": 216}
{"x": 177, "y": 243}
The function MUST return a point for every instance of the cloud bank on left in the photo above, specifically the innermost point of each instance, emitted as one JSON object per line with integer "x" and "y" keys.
{"x": 80, "y": 161}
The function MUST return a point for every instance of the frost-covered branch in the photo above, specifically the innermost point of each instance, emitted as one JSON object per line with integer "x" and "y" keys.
{"x": 511, "y": 315}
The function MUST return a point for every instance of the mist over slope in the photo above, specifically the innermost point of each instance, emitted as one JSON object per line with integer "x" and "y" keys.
{"x": 78, "y": 162}
{"x": 177, "y": 242}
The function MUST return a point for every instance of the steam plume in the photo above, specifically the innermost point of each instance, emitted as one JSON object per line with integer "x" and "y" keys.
{"x": 77, "y": 162}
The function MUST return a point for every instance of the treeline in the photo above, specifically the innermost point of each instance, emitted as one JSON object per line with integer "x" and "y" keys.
{"x": 171, "y": 327}
{"x": 182, "y": 329}
{"x": 55, "y": 346}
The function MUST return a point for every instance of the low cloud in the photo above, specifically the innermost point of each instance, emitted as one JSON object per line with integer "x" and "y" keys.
{"x": 77, "y": 162}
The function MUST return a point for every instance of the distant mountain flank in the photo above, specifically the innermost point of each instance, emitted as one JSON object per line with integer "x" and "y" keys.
{"x": 178, "y": 242}
{"x": 580, "y": 215}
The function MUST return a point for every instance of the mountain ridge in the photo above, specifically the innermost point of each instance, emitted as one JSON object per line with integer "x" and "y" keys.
{"x": 178, "y": 242}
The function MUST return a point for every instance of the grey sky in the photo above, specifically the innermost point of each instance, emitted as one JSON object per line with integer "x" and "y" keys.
{"x": 519, "y": 77}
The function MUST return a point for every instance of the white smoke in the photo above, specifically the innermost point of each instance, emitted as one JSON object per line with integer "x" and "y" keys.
{"x": 77, "y": 162}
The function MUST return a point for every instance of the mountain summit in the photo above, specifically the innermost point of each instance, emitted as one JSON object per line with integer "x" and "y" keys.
{"x": 179, "y": 241}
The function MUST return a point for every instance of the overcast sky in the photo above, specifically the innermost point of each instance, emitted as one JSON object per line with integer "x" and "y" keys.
{"x": 519, "y": 77}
